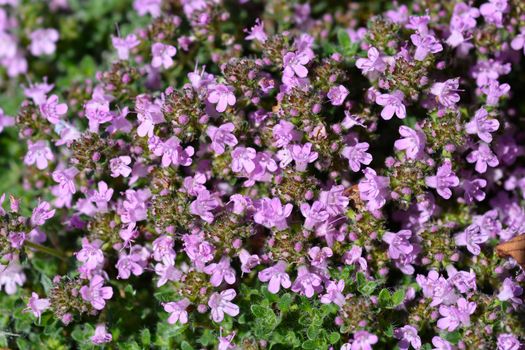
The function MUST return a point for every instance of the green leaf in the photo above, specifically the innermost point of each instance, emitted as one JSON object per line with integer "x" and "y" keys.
{"x": 453, "y": 337}
{"x": 284, "y": 302}
{"x": 334, "y": 337}
{"x": 186, "y": 346}
{"x": 312, "y": 332}
{"x": 384, "y": 298}
{"x": 398, "y": 297}
{"x": 343, "y": 39}
{"x": 310, "y": 344}
{"x": 145, "y": 337}
{"x": 259, "y": 311}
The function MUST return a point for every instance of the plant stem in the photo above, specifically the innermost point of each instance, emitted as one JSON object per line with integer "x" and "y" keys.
{"x": 44, "y": 249}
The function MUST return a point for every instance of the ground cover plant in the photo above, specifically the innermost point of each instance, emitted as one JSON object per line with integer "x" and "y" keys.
{"x": 249, "y": 174}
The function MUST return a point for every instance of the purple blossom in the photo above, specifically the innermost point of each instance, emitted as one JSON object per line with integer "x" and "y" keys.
{"x": 399, "y": 243}
{"x": 518, "y": 42}
{"x": 472, "y": 237}
{"x": 392, "y": 104}
{"x": 5, "y": 120}
{"x": 52, "y": 110}
{"x": 220, "y": 304}
{"x": 362, "y": 341}
{"x": 177, "y": 311}
{"x": 167, "y": 272}
{"x": 437, "y": 288}
{"x": 124, "y": 45}
{"x": 407, "y": 336}
{"x": 294, "y": 64}
{"x": 511, "y": 291}
{"x": 128, "y": 264}
{"x": 455, "y": 316}
{"x": 204, "y": 204}
{"x": 222, "y": 95}
{"x": 37, "y": 305}
{"x": 271, "y": 213}
{"x": 248, "y": 261}
{"x": 483, "y": 157}
{"x": 148, "y": 114}
{"x": 302, "y": 155}
{"x": 354, "y": 257}
{"x": 314, "y": 214}
{"x": 221, "y": 136}
{"x": 413, "y": 142}
{"x": 473, "y": 190}
{"x": 441, "y": 344}
{"x": 42, "y": 213}
{"x": 91, "y": 254}
{"x": 257, "y": 32}
{"x": 482, "y": 126}
{"x": 143, "y": 7}
{"x": 277, "y": 276}
{"x": 492, "y": 11}
{"x": 334, "y": 200}
{"x": 96, "y": 294}
{"x": 119, "y": 166}
{"x": 243, "y": 159}
{"x": 101, "y": 335}
{"x": 38, "y": 152}
{"x": 11, "y": 276}
{"x": 284, "y": 133}
{"x": 508, "y": 341}
{"x": 373, "y": 189}
{"x": 43, "y": 42}
{"x": 374, "y": 62}
{"x": 198, "y": 250}
{"x": 334, "y": 293}
{"x": 162, "y": 55}
{"x": 425, "y": 44}
{"x": 357, "y": 155}
{"x": 220, "y": 271}
{"x": 307, "y": 282}
{"x": 494, "y": 90}
{"x": 65, "y": 180}
{"x": 163, "y": 249}
{"x": 446, "y": 92}
{"x": 443, "y": 180}
{"x": 337, "y": 95}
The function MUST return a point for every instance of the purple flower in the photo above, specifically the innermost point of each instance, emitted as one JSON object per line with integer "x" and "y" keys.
{"x": 5, "y": 120}
{"x": 334, "y": 200}
{"x": 148, "y": 114}
{"x": 302, "y": 155}
{"x": 204, "y": 204}
{"x": 177, "y": 310}
{"x": 363, "y": 341}
{"x": 492, "y": 11}
{"x": 373, "y": 189}
{"x": 43, "y": 41}
{"x": 392, "y": 104}
{"x": 198, "y": 250}
{"x": 455, "y": 316}
{"x": 446, "y": 92}
{"x": 425, "y": 44}
{"x": 39, "y": 153}
{"x": 482, "y": 126}
{"x": 101, "y": 336}
{"x": 441, "y": 344}
{"x": 96, "y": 293}
{"x": 353, "y": 257}
{"x": 284, "y": 133}
{"x": 518, "y": 42}
{"x": 277, "y": 276}
{"x": 443, "y": 180}
{"x": 65, "y": 180}
{"x": 163, "y": 249}
{"x": 221, "y": 136}
{"x": 162, "y": 55}
{"x": 11, "y": 276}
{"x": 91, "y": 254}
{"x": 52, "y": 110}
{"x": 124, "y": 45}
{"x": 248, "y": 261}
{"x": 337, "y": 95}
{"x": 42, "y": 213}
{"x": 334, "y": 293}
{"x": 221, "y": 304}
{"x": 374, "y": 62}
{"x": 473, "y": 190}
{"x": 413, "y": 142}
{"x": 399, "y": 243}
{"x": 167, "y": 272}
{"x": 483, "y": 156}
{"x": 357, "y": 155}
{"x": 494, "y": 91}
{"x": 271, "y": 213}
{"x": 508, "y": 341}
{"x": 437, "y": 288}
{"x": 464, "y": 281}
{"x": 171, "y": 151}
{"x": 119, "y": 166}
{"x": 220, "y": 271}
{"x": 306, "y": 283}
{"x": 243, "y": 159}
{"x": 511, "y": 291}
{"x": 143, "y": 7}
{"x": 472, "y": 237}
{"x": 257, "y": 32}
{"x": 294, "y": 64}
{"x": 37, "y": 305}
{"x": 222, "y": 95}
{"x": 314, "y": 215}
{"x": 407, "y": 336}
